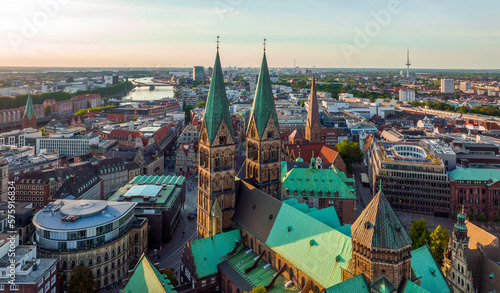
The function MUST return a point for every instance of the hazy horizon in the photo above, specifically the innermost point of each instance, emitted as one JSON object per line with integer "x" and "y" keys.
{"x": 325, "y": 34}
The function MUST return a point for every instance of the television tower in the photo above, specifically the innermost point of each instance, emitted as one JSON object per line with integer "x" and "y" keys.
{"x": 408, "y": 63}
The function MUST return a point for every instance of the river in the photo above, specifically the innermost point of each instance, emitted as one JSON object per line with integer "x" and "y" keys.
{"x": 143, "y": 93}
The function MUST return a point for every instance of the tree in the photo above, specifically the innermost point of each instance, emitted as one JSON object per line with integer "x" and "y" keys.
{"x": 171, "y": 276}
{"x": 438, "y": 240}
{"x": 482, "y": 218}
{"x": 471, "y": 216}
{"x": 70, "y": 79}
{"x": 47, "y": 110}
{"x": 187, "y": 112}
{"x": 258, "y": 289}
{"x": 82, "y": 280}
{"x": 200, "y": 104}
{"x": 303, "y": 102}
{"x": 350, "y": 153}
{"x": 419, "y": 234}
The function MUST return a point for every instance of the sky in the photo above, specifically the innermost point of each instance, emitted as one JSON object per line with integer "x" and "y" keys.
{"x": 331, "y": 34}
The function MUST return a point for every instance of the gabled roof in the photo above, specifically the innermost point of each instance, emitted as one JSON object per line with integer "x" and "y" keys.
{"x": 378, "y": 226}
{"x": 356, "y": 284}
{"x": 210, "y": 251}
{"x": 316, "y": 180}
{"x": 146, "y": 278}
{"x": 217, "y": 107}
{"x": 316, "y": 249}
{"x": 29, "y": 111}
{"x": 263, "y": 107}
{"x": 424, "y": 265}
{"x": 255, "y": 210}
{"x": 383, "y": 285}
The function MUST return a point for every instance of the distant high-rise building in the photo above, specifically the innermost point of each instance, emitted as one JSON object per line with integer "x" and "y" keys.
{"x": 210, "y": 71}
{"x": 198, "y": 72}
{"x": 447, "y": 86}
{"x": 407, "y": 95}
{"x": 465, "y": 86}
{"x": 408, "y": 63}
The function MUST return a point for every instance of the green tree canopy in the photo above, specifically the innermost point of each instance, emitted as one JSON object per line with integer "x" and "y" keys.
{"x": 187, "y": 112}
{"x": 350, "y": 153}
{"x": 200, "y": 104}
{"x": 419, "y": 233}
{"x": 82, "y": 280}
{"x": 303, "y": 102}
{"x": 47, "y": 110}
{"x": 171, "y": 276}
{"x": 258, "y": 289}
{"x": 438, "y": 240}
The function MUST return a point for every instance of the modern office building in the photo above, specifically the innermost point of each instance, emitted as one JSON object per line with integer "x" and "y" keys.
{"x": 447, "y": 86}
{"x": 413, "y": 179}
{"x": 159, "y": 199}
{"x": 105, "y": 236}
{"x": 465, "y": 86}
{"x": 198, "y": 73}
{"x": 68, "y": 145}
{"x": 407, "y": 95}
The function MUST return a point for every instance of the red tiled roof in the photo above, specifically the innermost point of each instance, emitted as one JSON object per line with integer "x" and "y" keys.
{"x": 124, "y": 133}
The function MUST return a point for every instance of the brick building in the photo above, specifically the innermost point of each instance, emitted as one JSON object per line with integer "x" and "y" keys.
{"x": 477, "y": 190}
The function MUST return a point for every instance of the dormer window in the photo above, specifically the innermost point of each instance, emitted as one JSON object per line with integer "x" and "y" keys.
{"x": 222, "y": 139}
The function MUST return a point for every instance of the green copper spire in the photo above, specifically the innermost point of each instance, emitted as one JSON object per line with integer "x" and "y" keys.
{"x": 29, "y": 111}
{"x": 263, "y": 107}
{"x": 217, "y": 107}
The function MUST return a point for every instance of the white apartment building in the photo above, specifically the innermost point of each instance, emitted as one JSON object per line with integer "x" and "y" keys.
{"x": 70, "y": 146}
{"x": 407, "y": 95}
{"x": 447, "y": 86}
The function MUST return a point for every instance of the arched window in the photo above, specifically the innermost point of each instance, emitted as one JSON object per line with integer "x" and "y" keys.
{"x": 136, "y": 250}
{"x": 105, "y": 269}
{"x": 136, "y": 237}
{"x": 113, "y": 265}
{"x": 106, "y": 256}
{"x": 106, "y": 281}
{"x": 90, "y": 262}
{"x": 119, "y": 250}
{"x": 98, "y": 259}
{"x": 98, "y": 284}
{"x": 64, "y": 265}
{"x": 112, "y": 277}
{"x": 113, "y": 253}
{"x": 98, "y": 272}
{"x": 73, "y": 264}
{"x": 118, "y": 262}
{"x": 229, "y": 288}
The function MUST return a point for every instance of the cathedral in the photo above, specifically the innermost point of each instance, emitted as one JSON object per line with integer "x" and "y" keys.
{"x": 248, "y": 236}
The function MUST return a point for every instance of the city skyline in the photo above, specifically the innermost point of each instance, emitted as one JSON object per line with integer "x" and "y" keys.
{"x": 326, "y": 35}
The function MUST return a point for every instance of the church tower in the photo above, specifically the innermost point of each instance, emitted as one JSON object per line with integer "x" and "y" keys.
{"x": 216, "y": 194}
{"x": 313, "y": 124}
{"x": 264, "y": 137}
{"x": 380, "y": 245}
{"x": 455, "y": 266}
{"x": 29, "y": 117}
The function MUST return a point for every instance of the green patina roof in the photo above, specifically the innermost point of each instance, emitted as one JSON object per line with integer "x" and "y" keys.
{"x": 217, "y": 107}
{"x": 328, "y": 216}
{"x": 316, "y": 249}
{"x": 317, "y": 180}
{"x": 244, "y": 259}
{"x": 210, "y": 251}
{"x": 168, "y": 180}
{"x": 29, "y": 110}
{"x": 355, "y": 284}
{"x": 146, "y": 278}
{"x": 424, "y": 265}
{"x": 475, "y": 174}
{"x": 263, "y": 107}
{"x": 383, "y": 285}
{"x": 414, "y": 288}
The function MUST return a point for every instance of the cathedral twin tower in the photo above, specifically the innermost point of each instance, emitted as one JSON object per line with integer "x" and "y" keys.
{"x": 216, "y": 170}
